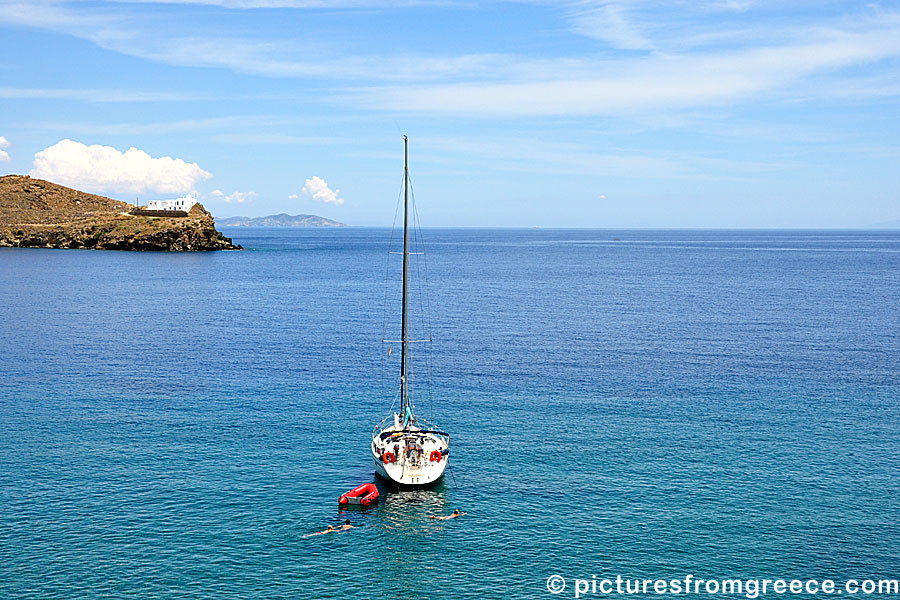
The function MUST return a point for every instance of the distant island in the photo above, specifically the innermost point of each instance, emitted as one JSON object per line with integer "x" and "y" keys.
{"x": 280, "y": 220}
{"x": 39, "y": 214}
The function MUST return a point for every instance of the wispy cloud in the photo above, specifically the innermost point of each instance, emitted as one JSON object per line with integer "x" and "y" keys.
{"x": 268, "y": 139}
{"x": 552, "y": 157}
{"x": 609, "y": 21}
{"x": 215, "y": 124}
{"x": 654, "y": 82}
{"x": 122, "y": 32}
{"x": 98, "y": 95}
{"x": 317, "y": 4}
{"x": 236, "y": 197}
{"x": 241, "y": 129}
{"x": 669, "y": 72}
{"x": 51, "y": 14}
{"x": 281, "y": 58}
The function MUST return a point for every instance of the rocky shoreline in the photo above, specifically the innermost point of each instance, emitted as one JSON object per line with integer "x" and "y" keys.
{"x": 39, "y": 214}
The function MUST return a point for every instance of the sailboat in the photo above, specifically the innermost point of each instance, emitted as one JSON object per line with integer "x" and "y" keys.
{"x": 408, "y": 450}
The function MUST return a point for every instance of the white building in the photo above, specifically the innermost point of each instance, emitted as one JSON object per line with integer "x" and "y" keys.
{"x": 184, "y": 204}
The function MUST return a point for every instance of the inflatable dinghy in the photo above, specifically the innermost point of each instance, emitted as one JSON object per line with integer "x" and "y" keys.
{"x": 365, "y": 495}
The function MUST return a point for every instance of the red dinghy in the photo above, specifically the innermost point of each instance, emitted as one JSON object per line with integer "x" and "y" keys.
{"x": 365, "y": 494}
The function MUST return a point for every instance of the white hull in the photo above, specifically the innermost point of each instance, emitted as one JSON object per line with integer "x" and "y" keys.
{"x": 410, "y": 478}
{"x": 412, "y": 455}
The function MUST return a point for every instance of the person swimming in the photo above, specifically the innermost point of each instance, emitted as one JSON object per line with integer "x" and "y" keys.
{"x": 332, "y": 529}
{"x": 452, "y": 515}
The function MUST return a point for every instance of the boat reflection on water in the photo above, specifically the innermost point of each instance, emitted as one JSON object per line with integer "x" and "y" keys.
{"x": 409, "y": 539}
{"x": 407, "y": 510}
{"x": 401, "y": 509}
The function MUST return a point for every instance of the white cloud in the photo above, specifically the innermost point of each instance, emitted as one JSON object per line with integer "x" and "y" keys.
{"x": 236, "y": 197}
{"x": 318, "y": 190}
{"x": 4, "y": 143}
{"x": 520, "y": 154}
{"x": 648, "y": 83}
{"x": 98, "y": 95}
{"x": 113, "y": 28}
{"x": 106, "y": 169}
{"x": 293, "y": 196}
{"x": 741, "y": 59}
{"x": 4, "y": 156}
{"x": 652, "y": 25}
{"x": 609, "y": 22}
{"x": 268, "y": 139}
{"x": 328, "y": 4}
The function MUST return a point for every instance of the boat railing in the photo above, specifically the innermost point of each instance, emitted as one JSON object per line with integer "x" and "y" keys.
{"x": 430, "y": 427}
{"x": 389, "y": 420}
{"x": 420, "y": 423}
{"x": 424, "y": 427}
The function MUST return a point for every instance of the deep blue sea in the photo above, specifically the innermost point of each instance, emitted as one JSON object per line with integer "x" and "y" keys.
{"x": 636, "y": 403}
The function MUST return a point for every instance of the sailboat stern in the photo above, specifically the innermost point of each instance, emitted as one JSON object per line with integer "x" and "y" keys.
{"x": 410, "y": 456}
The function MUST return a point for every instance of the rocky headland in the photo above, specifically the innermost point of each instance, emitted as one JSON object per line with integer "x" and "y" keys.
{"x": 39, "y": 214}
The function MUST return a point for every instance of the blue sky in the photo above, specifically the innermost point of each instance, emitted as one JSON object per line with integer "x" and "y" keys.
{"x": 568, "y": 114}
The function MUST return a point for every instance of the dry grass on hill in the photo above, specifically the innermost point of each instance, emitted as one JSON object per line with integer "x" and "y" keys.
{"x": 38, "y": 213}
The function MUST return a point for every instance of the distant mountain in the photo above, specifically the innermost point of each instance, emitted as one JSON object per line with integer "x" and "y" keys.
{"x": 280, "y": 220}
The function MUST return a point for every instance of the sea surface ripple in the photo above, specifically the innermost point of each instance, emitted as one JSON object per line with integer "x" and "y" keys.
{"x": 641, "y": 403}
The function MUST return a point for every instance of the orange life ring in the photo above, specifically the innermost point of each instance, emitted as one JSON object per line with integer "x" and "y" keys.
{"x": 388, "y": 457}
{"x": 436, "y": 456}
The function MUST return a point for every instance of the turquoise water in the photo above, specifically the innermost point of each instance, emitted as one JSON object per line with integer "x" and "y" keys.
{"x": 719, "y": 403}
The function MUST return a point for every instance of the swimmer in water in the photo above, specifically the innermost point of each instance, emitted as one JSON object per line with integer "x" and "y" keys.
{"x": 347, "y": 525}
{"x": 329, "y": 530}
{"x": 452, "y": 515}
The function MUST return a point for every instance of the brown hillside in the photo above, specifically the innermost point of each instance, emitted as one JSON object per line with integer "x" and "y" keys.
{"x": 24, "y": 200}
{"x": 37, "y": 213}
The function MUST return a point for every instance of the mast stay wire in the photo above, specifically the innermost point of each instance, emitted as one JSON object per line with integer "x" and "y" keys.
{"x": 387, "y": 269}
{"x": 425, "y": 301}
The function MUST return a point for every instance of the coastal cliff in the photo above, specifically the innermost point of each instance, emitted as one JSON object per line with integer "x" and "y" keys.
{"x": 39, "y": 214}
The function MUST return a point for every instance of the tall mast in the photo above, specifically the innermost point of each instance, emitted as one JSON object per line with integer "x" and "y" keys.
{"x": 404, "y": 371}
